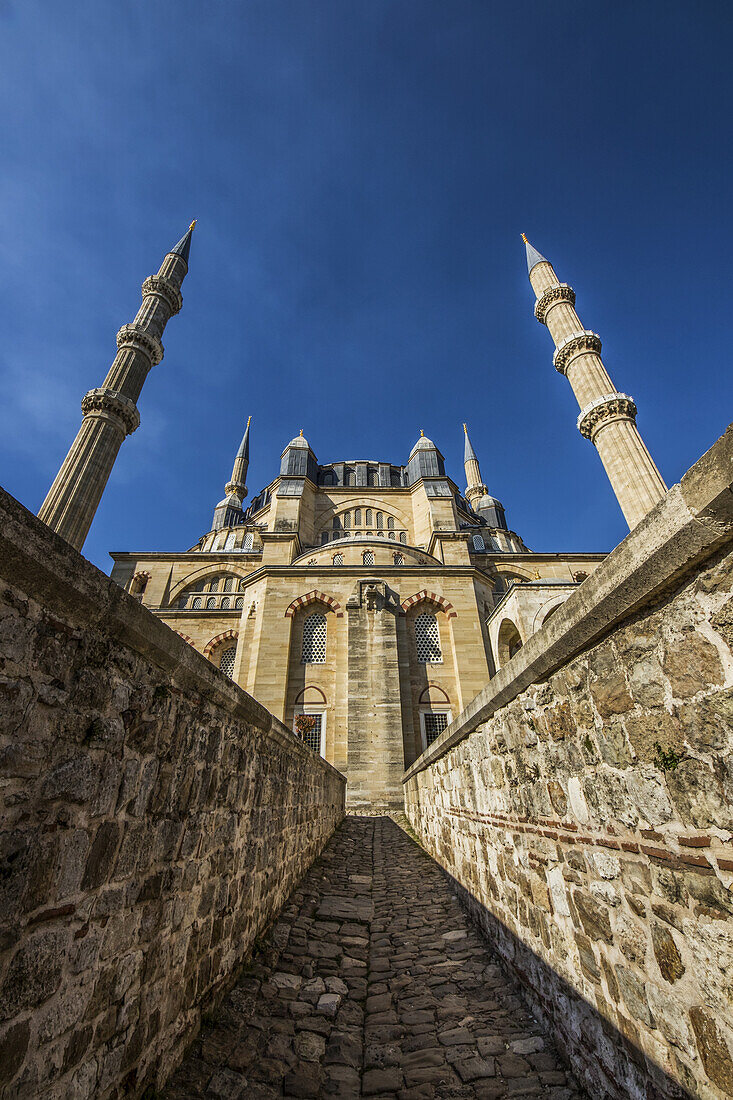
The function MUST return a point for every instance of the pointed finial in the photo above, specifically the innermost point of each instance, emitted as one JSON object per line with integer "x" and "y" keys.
{"x": 300, "y": 433}
{"x": 468, "y": 452}
{"x": 465, "y": 429}
{"x": 192, "y": 226}
{"x": 183, "y": 247}
{"x": 249, "y": 421}
{"x": 422, "y": 433}
{"x": 533, "y": 256}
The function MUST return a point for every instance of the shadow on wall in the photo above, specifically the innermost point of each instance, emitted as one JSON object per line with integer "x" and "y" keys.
{"x": 547, "y": 993}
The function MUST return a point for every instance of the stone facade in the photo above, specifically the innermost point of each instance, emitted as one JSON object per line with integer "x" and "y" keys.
{"x": 584, "y": 804}
{"x": 313, "y": 542}
{"x": 155, "y": 818}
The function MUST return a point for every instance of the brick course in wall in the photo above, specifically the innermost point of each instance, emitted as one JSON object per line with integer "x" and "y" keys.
{"x": 584, "y": 805}
{"x": 154, "y": 819}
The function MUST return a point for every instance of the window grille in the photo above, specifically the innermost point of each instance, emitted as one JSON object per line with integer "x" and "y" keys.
{"x": 347, "y": 519}
{"x": 239, "y": 603}
{"x": 196, "y": 603}
{"x": 211, "y": 602}
{"x": 478, "y": 542}
{"x": 338, "y": 559}
{"x": 324, "y": 536}
{"x": 403, "y": 536}
{"x": 214, "y": 586}
{"x": 225, "y": 603}
{"x": 248, "y": 540}
{"x": 226, "y": 663}
{"x": 427, "y": 639}
{"x": 380, "y": 519}
{"x": 390, "y": 534}
{"x": 368, "y": 557}
{"x": 371, "y": 476}
{"x": 399, "y": 558}
{"x": 390, "y": 522}
{"x": 435, "y": 723}
{"x": 357, "y": 517}
{"x": 314, "y": 640}
{"x": 231, "y": 539}
{"x": 369, "y": 517}
{"x": 228, "y": 584}
{"x": 311, "y": 731}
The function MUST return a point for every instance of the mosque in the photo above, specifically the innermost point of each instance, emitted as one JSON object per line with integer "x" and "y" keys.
{"x": 363, "y": 602}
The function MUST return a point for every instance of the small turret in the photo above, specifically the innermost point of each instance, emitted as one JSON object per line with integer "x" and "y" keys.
{"x": 425, "y": 460}
{"x": 298, "y": 460}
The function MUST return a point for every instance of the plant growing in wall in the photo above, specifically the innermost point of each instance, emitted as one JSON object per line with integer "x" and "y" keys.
{"x": 304, "y": 724}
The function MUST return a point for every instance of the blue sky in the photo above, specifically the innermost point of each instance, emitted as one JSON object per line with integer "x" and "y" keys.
{"x": 361, "y": 171}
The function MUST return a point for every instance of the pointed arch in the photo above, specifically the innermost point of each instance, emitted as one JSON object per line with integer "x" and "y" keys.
{"x": 185, "y": 638}
{"x": 429, "y": 597}
{"x": 214, "y": 642}
{"x": 314, "y": 597}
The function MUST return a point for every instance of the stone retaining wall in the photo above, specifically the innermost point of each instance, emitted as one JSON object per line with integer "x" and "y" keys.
{"x": 154, "y": 819}
{"x": 584, "y": 805}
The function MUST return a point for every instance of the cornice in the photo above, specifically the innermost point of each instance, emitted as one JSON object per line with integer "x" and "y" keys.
{"x": 551, "y": 297}
{"x": 166, "y": 289}
{"x": 139, "y": 339}
{"x": 576, "y": 344}
{"x": 612, "y": 406}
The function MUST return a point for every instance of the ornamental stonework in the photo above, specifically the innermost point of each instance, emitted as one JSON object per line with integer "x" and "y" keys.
{"x": 611, "y": 406}
{"x": 575, "y": 345}
{"x": 555, "y": 294}
{"x": 133, "y": 336}
{"x": 114, "y": 405}
{"x": 165, "y": 289}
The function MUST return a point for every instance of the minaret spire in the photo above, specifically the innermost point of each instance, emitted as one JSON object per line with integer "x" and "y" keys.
{"x": 533, "y": 256}
{"x": 236, "y": 488}
{"x": 477, "y": 494}
{"x": 110, "y": 412}
{"x": 607, "y": 417}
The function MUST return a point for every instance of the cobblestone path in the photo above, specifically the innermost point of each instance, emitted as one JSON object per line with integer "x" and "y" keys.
{"x": 373, "y": 983}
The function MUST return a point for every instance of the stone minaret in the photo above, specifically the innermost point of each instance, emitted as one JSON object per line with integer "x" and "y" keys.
{"x": 110, "y": 412}
{"x": 607, "y": 418}
{"x": 477, "y": 494}
{"x": 475, "y": 489}
{"x": 229, "y": 509}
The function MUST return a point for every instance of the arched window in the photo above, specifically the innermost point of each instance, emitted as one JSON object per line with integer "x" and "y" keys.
{"x": 390, "y": 535}
{"x": 231, "y": 539}
{"x": 226, "y": 661}
{"x": 239, "y": 603}
{"x": 337, "y": 523}
{"x": 427, "y": 639}
{"x": 368, "y": 557}
{"x": 371, "y": 476}
{"x": 357, "y": 517}
{"x": 138, "y": 584}
{"x": 228, "y": 584}
{"x": 509, "y": 641}
{"x": 211, "y": 602}
{"x": 390, "y": 522}
{"x": 196, "y": 605}
{"x": 403, "y": 536}
{"x": 347, "y": 519}
{"x": 380, "y": 519}
{"x": 214, "y": 586}
{"x": 478, "y": 542}
{"x": 369, "y": 517}
{"x": 349, "y": 477}
{"x": 247, "y": 541}
{"x": 399, "y": 559}
{"x": 314, "y": 640}
{"x": 225, "y": 603}
{"x": 338, "y": 559}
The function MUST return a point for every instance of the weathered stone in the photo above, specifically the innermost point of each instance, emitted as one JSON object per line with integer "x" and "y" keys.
{"x": 593, "y": 916}
{"x": 13, "y": 1045}
{"x": 714, "y": 1047}
{"x": 34, "y": 972}
{"x": 665, "y": 950}
{"x": 691, "y": 663}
